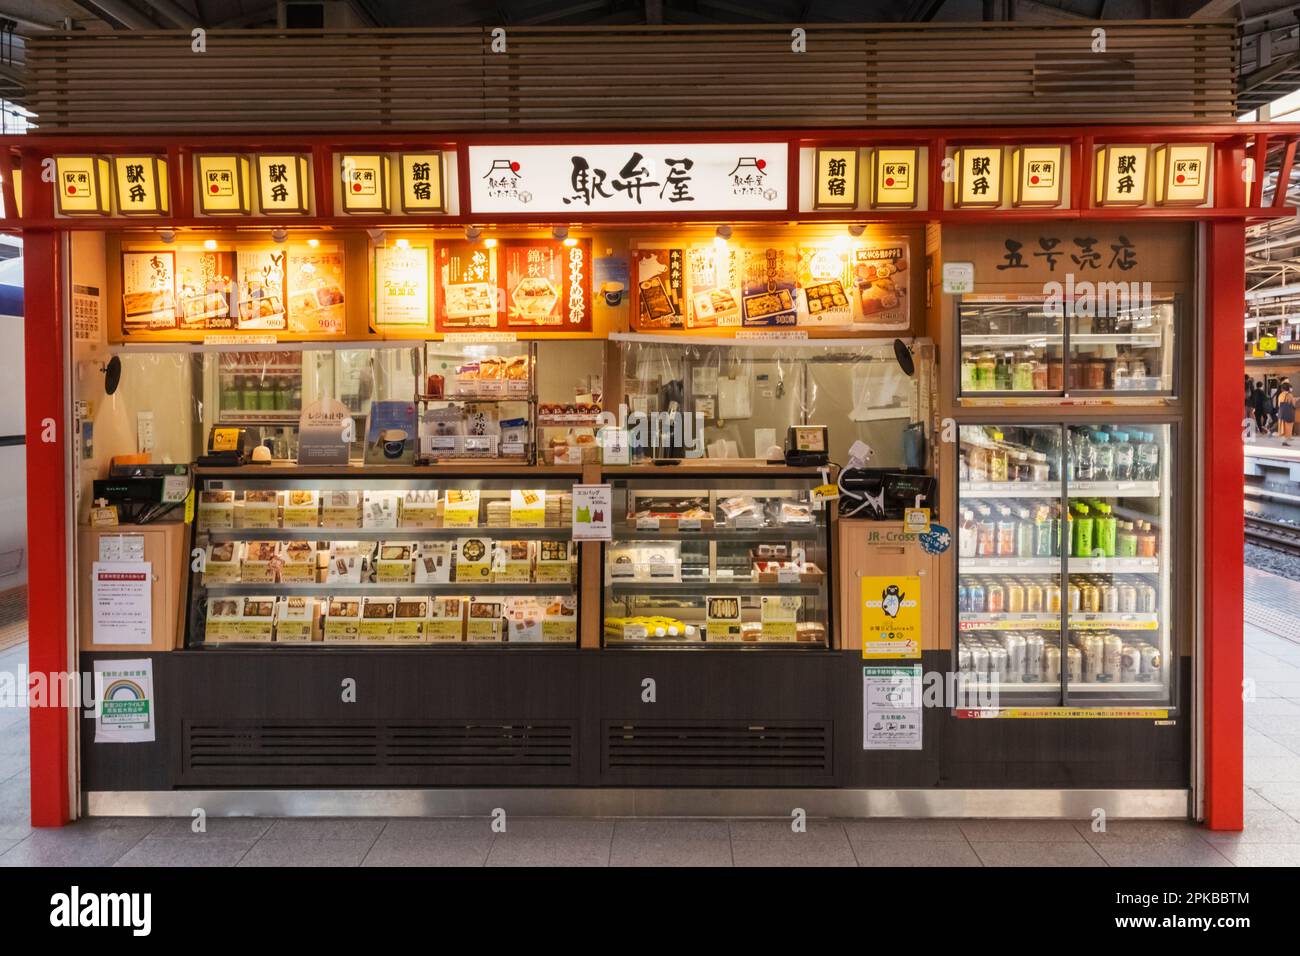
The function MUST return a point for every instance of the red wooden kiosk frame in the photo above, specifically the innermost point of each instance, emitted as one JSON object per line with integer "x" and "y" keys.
{"x": 1240, "y": 149}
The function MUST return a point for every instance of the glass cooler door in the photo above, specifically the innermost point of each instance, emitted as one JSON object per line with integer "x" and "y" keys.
{"x": 717, "y": 562}
{"x": 1064, "y": 530}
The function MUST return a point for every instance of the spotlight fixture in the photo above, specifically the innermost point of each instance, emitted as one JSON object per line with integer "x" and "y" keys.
{"x": 490, "y": 243}
{"x": 376, "y": 236}
{"x": 856, "y": 229}
{"x": 167, "y": 236}
{"x": 570, "y": 241}
{"x": 723, "y": 233}
{"x": 403, "y": 243}
{"x": 472, "y": 233}
{"x": 313, "y": 243}
{"x": 560, "y": 232}
{"x": 279, "y": 234}
{"x": 903, "y": 355}
{"x": 209, "y": 244}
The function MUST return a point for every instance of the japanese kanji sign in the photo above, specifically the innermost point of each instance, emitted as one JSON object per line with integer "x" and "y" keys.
{"x": 282, "y": 183}
{"x": 81, "y": 185}
{"x": 1039, "y": 171}
{"x": 1122, "y": 175}
{"x": 223, "y": 186}
{"x": 1182, "y": 174}
{"x": 422, "y": 182}
{"x": 654, "y": 177}
{"x": 141, "y": 185}
{"x": 836, "y": 179}
{"x": 979, "y": 177}
{"x": 893, "y": 177}
{"x": 363, "y": 182}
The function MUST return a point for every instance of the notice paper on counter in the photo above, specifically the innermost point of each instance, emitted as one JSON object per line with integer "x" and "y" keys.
{"x": 124, "y": 703}
{"x": 122, "y": 601}
{"x": 891, "y": 707}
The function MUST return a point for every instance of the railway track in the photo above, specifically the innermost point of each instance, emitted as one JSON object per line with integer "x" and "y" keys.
{"x": 1278, "y": 535}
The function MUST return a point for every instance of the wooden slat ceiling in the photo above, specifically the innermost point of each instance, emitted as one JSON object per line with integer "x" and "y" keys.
{"x": 643, "y": 77}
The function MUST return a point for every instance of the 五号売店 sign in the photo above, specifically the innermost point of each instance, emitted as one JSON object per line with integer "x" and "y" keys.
{"x": 576, "y": 180}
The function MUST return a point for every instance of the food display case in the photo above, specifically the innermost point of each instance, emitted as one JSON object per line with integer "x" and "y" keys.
{"x": 1065, "y": 553}
{"x": 291, "y": 557}
{"x": 725, "y": 561}
{"x": 477, "y": 401}
{"x": 1030, "y": 346}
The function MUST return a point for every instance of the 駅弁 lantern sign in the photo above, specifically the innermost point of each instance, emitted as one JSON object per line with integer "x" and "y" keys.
{"x": 681, "y": 178}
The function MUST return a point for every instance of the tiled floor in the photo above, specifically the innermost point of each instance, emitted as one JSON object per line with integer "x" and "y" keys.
{"x": 1271, "y": 837}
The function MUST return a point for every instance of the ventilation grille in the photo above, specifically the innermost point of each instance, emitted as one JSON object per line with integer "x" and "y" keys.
{"x": 718, "y": 746}
{"x": 288, "y": 745}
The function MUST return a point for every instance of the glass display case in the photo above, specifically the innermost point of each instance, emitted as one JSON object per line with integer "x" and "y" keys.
{"x": 477, "y": 402}
{"x": 289, "y": 558}
{"x": 1064, "y": 562}
{"x": 1117, "y": 344}
{"x": 717, "y": 561}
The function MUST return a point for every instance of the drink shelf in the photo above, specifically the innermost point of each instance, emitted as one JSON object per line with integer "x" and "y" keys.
{"x": 725, "y": 586}
{"x": 1052, "y": 489}
{"x": 629, "y": 532}
{"x": 1053, "y": 565}
{"x": 1051, "y": 621}
{"x": 1149, "y": 340}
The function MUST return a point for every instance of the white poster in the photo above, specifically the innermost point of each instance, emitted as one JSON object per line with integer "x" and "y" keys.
{"x": 891, "y": 707}
{"x": 402, "y": 286}
{"x": 125, "y": 711}
{"x": 695, "y": 177}
{"x": 123, "y": 602}
{"x": 592, "y": 506}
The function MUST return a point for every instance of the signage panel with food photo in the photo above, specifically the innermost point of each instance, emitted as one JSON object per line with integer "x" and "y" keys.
{"x": 467, "y": 285}
{"x": 660, "y": 278}
{"x": 315, "y": 289}
{"x": 148, "y": 291}
{"x": 713, "y": 285}
{"x": 261, "y": 289}
{"x": 547, "y": 283}
{"x": 880, "y": 275}
{"x": 823, "y": 286}
{"x": 402, "y": 286}
{"x": 206, "y": 289}
{"x": 768, "y": 286}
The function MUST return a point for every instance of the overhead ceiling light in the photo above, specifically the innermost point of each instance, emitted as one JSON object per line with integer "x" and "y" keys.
{"x": 570, "y": 241}
{"x": 209, "y": 244}
{"x": 313, "y": 243}
{"x": 560, "y": 232}
{"x": 856, "y": 229}
{"x": 472, "y": 233}
{"x": 490, "y": 243}
{"x": 167, "y": 235}
{"x": 403, "y": 243}
{"x": 279, "y": 234}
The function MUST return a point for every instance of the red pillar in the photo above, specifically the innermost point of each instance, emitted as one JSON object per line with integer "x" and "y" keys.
{"x": 47, "y": 578}
{"x": 1224, "y": 531}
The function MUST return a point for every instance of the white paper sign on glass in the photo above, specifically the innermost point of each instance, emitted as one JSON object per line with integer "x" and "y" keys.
{"x": 122, "y": 602}
{"x": 631, "y": 177}
{"x": 125, "y": 709}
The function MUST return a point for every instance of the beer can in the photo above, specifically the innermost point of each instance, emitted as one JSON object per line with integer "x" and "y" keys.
{"x": 1149, "y": 669}
{"x": 1146, "y": 599}
{"x": 998, "y": 663}
{"x": 1109, "y": 599}
{"x": 1015, "y": 598}
{"x": 1052, "y": 664}
{"x": 1052, "y": 598}
{"x": 977, "y": 598}
{"x": 1090, "y": 646}
{"x": 1111, "y": 658}
{"x": 1128, "y": 599}
{"x": 995, "y": 599}
{"x": 1033, "y": 657}
{"x": 1034, "y": 598}
{"x": 1015, "y": 645}
{"x": 963, "y": 658}
{"x": 1089, "y": 598}
{"x": 963, "y": 597}
{"x": 979, "y": 660}
{"x": 1130, "y": 663}
{"x": 1075, "y": 598}
{"x": 1074, "y": 663}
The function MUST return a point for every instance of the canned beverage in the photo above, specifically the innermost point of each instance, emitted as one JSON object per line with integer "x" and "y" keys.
{"x": 1075, "y": 598}
{"x": 1128, "y": 599}
{"x": 998, "y": 663}
{"x": 963, "y": 597}
{"x": 1146, "y": 599}
{"x": 1033, "y": 657}
{"x": 1033, "y": 598}
{"x": 1130, "y": 663}
{"x": 1074, "y": 664}
{"x": 1149, "y": 668}
{"x": 1090, "y": 598}
{"x": 963, "y": 658}
{"x": 1052, "y": 598}
{"x": 995, "y": 599}
{"x": 979, "y": 660}
{"x": 1111, "y": 658}
{"x": 1015, "y": 645}
{"x": 1015, "y": 599}
{"x": 1052, "y": 664}
{"x": 1090, "y": 646}
{"x": 977, "y": 598}
{"x": 1110, "y": 599}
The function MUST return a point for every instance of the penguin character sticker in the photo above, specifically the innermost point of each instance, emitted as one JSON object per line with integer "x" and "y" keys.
{"x": 891, "y": 599}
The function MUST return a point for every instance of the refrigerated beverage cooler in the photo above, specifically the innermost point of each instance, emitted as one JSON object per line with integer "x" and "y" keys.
{"x": 1064, "y": 560}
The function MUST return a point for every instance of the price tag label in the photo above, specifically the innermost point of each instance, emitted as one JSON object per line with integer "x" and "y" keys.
{"x": 647, "y": 523}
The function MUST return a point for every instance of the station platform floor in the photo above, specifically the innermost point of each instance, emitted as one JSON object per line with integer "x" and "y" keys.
{"x": 1271, "y": 836}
